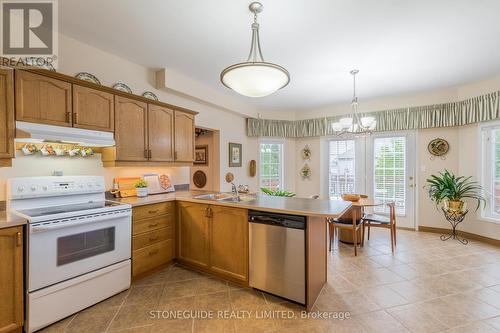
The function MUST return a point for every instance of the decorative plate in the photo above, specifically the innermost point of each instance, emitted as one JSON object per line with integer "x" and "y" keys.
{"x": 122, "y": 87}
{"x": 305, "y": 172}
{"x": 88, "y": 77}
{"x": 438, "y": 147}
{"x": 150, "y": 95}
{"x": 306, "y": 153}
{"x": 199, "y": 179}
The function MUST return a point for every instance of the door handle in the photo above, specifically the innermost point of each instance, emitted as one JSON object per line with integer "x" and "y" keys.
{"x": 152, "y": 225}
{"x": 153, "y": 211}
{"x": 19, "y": 239}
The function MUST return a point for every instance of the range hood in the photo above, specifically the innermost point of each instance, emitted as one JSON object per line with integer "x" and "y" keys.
{"x": 40, "y": 133}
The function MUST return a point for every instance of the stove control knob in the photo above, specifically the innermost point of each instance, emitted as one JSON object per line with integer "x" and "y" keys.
{"x": 89, "y": 184}
{"x": 81, "y": 185}
{"x": 97, "y": 185}
{"x": 33, "y": 188}
{"x": 45, "y": 187}
{"x": 20, "y": 188}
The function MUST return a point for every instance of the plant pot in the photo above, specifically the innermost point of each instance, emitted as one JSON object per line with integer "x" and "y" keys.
{"x": 142, "y": 191}
{"x": 454, "y": 205}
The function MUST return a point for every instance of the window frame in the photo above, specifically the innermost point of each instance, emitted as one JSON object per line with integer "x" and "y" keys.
{"x": 357, "y": 164}
{"x": 486, "y": 169}
{"x": 281, "y": 162}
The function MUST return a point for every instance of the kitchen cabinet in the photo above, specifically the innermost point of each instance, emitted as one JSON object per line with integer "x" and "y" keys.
{"x": 130, "y": 129}
{"x": 214, "y": 238}
{"x": 93, "y": 109}
{"x": 41, "y": 99}
{"x": 184, "y": 137}
{"x": 193, "y": 237}
{"x": 7, "y": 124}
{"x": 160, "y": 133}
{"x": 11, "y": 279}
{"x": 152, "y": 237}
{"x": 229, "y": 242}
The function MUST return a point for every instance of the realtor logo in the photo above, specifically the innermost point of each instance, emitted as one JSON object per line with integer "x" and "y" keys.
{"x": 29, "y": 31}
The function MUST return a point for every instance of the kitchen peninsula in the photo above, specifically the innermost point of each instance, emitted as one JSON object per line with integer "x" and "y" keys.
{"x": 212, "y": 235}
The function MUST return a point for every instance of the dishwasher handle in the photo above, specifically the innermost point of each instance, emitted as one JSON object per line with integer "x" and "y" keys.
{"x": 277, "y": 221}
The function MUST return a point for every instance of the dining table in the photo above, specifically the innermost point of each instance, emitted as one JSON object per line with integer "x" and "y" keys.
{"x": 355, "y": 212}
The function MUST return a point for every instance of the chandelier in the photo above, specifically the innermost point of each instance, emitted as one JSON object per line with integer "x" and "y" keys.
{"x": 255, "y": 77}
{"x": 354, "y": 124}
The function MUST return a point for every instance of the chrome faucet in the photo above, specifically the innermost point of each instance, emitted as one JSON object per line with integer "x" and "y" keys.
{"x": 234, "y": 191}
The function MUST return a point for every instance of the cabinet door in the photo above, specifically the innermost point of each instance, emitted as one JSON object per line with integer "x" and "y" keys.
{"x": 43, "y": 100}
{"x": 130, "y": 129}
{"x": 160, "y": 133}
{"x": 11, "y": 278}
{"x": 229, "y": 242}
{"x": 93, "y": 109}
{"x": 193, "y": 234}
{"x": 6, "y": 113}
{"x": 184, "y": 137}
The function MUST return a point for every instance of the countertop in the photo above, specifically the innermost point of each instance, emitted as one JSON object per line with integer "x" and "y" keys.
{"x": 294, "y": 206}
{"x": 10, "y": 220}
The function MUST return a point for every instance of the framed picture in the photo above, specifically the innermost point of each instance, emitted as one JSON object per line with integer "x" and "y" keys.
{"x": 235, "y": 154}
{"x": 201, "y": 155}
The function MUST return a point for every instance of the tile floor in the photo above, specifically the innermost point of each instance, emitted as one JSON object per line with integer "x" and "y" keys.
{"x": 426, "y": 286}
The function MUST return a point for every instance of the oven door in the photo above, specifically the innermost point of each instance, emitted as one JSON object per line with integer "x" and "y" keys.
{"x": 66, "y": 248}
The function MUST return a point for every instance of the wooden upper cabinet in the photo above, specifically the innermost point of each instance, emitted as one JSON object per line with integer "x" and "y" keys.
{"x": 193, "y": 229}
{"x": 160, "y": 133}
{"x": 130, "y": 129}
{"x": 229, "y": 242}
{"x": 7, "y": 124}
{"x": 93, "y": 109}
{"x": 41, "y": 99}
{"x": 11, "y": 278}
{"x": 184, "y": 137}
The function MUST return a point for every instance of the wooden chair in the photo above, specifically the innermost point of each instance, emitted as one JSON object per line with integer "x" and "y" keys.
{"x": 381, "y": 221}
{"x": 353, "y": 224}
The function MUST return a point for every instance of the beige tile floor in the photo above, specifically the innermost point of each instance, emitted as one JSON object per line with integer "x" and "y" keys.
{"x": 426, "y": 286}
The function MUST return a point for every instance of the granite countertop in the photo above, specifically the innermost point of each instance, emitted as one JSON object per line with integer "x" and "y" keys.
{"x": 297, "y": 206}
{"x": 10, "y": 220}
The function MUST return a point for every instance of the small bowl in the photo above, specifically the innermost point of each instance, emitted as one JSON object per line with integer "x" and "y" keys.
{"x": 350, "y": 197}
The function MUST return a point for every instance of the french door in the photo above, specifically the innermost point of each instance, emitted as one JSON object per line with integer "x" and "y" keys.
{"x": 390, "y": 171}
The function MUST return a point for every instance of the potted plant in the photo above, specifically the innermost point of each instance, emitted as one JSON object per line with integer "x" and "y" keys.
{"x": 450, "y": 190}
{"x": 277, "y": 192}
{"x": 142, "y": 188}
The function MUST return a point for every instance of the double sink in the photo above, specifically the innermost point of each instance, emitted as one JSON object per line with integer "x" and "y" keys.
{"x": 225, "y": 197}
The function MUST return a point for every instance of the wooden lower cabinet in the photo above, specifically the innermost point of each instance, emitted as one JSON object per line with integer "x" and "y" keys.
{"x": 11, "y": 280}
{"x": 153, "y": 241}
{"x": 214, "y": 238}
{"x": 193, "y": 234}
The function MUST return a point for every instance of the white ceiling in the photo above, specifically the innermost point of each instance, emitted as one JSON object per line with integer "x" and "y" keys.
{"x": 400, "y": 46}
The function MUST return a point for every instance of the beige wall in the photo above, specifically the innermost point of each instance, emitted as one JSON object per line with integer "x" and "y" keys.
{"x": 212, "y": 169}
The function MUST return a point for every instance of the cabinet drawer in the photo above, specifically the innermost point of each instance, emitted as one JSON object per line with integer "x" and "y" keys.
{"x": 140, "y": 226}
{"x": 151, "y": 256}
{"x": 151, "y": 237}
{"x": 144, "y": 212}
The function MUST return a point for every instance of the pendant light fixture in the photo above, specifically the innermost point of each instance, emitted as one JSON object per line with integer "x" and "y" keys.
{"x": 255, "y": 77}
{"x": 354, "y": 124}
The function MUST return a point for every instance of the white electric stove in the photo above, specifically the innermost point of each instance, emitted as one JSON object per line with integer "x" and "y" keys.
{"x": 78, "y": 244}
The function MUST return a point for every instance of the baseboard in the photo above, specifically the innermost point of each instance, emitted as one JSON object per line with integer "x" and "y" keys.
{"x": 464, "y": 234}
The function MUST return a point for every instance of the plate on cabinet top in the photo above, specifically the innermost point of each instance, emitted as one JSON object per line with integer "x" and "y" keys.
{"x": 122, "y": 87}
{"x": 150, "y": 95}
{"x": 88, "y": 77}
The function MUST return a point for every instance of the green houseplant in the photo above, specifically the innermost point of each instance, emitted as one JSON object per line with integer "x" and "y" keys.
{"x": 141, "y": 187}
{"x": 450, "y": 190}
{"x": 277, "y": 192}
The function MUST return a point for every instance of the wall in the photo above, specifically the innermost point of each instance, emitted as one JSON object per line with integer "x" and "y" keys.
{"x": 210, "y": 139}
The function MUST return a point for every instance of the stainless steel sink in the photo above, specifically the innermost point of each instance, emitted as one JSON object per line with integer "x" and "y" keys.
{"x": 241, "y": 198}
{"x": 224, "y": 197}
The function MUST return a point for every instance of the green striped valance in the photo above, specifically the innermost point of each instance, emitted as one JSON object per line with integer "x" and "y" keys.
{"x": 473, "y": 110}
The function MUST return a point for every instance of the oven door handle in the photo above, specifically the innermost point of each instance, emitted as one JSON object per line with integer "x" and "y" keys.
{"x": 78, "y": 222}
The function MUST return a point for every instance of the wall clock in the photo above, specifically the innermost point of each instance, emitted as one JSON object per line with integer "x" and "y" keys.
{"x": 438, "y": 147}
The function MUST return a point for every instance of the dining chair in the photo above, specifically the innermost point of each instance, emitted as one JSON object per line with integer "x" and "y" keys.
{"x": 381, "y": 221}
{"x": 353, "y": 224}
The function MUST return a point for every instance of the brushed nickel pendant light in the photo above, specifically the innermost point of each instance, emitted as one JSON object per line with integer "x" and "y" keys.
{"x": 255, "y": 77}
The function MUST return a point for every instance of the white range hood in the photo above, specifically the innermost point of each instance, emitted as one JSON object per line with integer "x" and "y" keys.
{"x": 40, "y": 132}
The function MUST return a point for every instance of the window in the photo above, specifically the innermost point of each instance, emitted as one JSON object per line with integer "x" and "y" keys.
{"x": 490, "y": 137}
{"x": 342, "y": 166}
{"x": 389, "y": 173}
{"x": 271, "y": 165}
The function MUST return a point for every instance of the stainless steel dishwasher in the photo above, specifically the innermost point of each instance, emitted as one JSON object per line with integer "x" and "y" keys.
{"x": 277, "y": 254}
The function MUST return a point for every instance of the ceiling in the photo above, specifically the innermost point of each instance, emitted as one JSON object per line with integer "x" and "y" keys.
{"x": 399, "y": 46}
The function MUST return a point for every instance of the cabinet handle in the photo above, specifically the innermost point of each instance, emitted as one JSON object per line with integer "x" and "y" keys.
{"x": 206, "y": 212}
{"x": 152, "y": 239}
{"x": 152, "y": 225}
{"x": 152, "y": 253}
{"x": 175, "y": 155}
{"x": 150, "y": 154}
{"x": 153, "y": 211}
{"x": 19, "y": 239}
{"x": 75, "y": 118}
{"x": 68, "y": 116}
